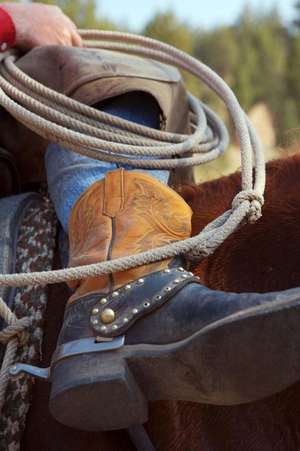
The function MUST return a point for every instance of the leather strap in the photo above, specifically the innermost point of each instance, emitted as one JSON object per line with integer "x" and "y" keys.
{"x": 135, "y": 300}
{"x": 114, "y": 193}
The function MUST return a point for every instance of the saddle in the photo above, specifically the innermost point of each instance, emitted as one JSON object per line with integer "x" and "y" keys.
{"x": 170, "y": 337}
{"x": 91, "y": 77}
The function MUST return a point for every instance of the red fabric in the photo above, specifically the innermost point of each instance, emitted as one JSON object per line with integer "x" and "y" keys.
{"x": 7, "y": 29}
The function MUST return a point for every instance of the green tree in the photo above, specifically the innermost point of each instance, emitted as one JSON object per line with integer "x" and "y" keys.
{"x": 253, "y": 57}
{"x": 82, "y": 12}
{"x": 297, "y": 11}
{"x": 218, "y": 49}
{"x": 168, "y": 28}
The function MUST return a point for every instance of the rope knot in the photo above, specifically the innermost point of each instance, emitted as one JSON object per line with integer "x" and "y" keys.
{"x": 17, "y": 328}
{"x": 255, "y": 200}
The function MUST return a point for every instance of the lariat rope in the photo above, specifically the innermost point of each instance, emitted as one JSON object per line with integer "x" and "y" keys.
{"x": 101, "y": 136}
{"x": 104, "y": 137}
{"x": 12, "y": 336}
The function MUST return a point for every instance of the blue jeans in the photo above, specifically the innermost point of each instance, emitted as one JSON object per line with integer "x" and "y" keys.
{"x": 70, "y": 174}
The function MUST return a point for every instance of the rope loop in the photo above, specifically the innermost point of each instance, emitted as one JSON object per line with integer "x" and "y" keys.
{"x": 14, "y": 335}
{"x": 17, "y": 328}
{"x": 255, "y": 200}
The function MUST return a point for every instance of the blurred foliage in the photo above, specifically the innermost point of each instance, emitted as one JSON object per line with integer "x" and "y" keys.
{"x": 82, "y": 12}
{"x": 258, "y": 56}
{"x": 168, "y": 28}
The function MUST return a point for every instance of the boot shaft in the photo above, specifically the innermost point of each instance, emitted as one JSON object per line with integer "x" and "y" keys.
{"x": 126, "y": 213}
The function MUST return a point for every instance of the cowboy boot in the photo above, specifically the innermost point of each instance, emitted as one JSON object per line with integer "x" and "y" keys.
{"x": 155, "y": 332}
{"x": 126, "y": 213}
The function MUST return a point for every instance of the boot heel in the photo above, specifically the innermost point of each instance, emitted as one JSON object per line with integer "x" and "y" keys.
{"x": 96, "y": 392}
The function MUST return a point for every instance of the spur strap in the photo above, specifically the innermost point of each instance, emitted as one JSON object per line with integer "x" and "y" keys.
{"x": 113, "y": 314}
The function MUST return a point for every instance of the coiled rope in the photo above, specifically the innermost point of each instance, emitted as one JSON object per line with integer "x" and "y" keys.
{"x": 99, "y": 135}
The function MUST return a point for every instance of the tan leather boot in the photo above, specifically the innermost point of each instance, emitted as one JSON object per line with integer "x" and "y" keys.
{"x": 126, "y": 213}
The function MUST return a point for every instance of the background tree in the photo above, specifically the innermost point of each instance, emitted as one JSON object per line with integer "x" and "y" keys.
{"x": 168, "y": 28}
{"x": 297, "y": 14}
{"x": 82, "y": 12}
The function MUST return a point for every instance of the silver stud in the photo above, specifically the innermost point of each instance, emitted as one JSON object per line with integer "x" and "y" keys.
{"x": 95, "y": 322}
{"x": 115, "y": 294}
{"x": 191, "y": 273}
{"x": 141, "y": 281}
{"x": 168, "y": 289}
{"x": 95, "y": 311}
{"x": 128, "y": 287}
{"x": 176, "y": 280}
{"x": 146, "y": 304}
{"x": 158, "y": 297}
{"x": 103, "y": 329}
{"x": 125, "y": 320}
{"x": 181, "y": 269}
{"x": 135, "y": 311}
{"x": 167, "y": 271}
{"x": 103, "y": 301}
{"x": 185, "y": 276}
{"x": 108, "y": 316}
{"x": 115, "y": 327}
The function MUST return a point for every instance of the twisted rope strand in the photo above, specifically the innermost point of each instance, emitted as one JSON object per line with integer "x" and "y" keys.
{"x": 13, "y": 335}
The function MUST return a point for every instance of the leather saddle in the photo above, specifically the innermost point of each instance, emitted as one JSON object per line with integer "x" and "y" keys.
{"x": 93, "y": 77}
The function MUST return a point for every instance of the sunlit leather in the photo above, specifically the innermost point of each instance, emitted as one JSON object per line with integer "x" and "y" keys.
{"x": 126, "y": 213}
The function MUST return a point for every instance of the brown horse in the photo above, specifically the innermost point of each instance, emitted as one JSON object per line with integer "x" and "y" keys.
{"x": 261, "y": 257}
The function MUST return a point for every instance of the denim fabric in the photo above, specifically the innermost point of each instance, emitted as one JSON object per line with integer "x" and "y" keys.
{"x": 70, "y": 174}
